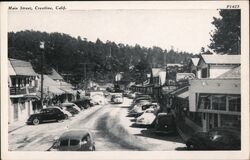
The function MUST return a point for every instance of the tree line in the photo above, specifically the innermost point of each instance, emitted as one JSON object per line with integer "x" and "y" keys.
{"x": 102, "y": 60}
{"x": 88, "y": 60}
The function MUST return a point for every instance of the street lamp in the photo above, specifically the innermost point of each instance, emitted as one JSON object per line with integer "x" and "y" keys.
{"x": 41, "y": 46}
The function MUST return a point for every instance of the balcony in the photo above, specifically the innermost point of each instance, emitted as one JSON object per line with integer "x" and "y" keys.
{"x": 22, "y": 91}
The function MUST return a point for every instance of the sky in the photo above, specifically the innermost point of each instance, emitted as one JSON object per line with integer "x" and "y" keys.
{"x": 185, "y": 30}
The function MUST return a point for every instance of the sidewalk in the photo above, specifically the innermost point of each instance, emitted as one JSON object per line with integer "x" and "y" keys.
{"x": 16, "y": 125}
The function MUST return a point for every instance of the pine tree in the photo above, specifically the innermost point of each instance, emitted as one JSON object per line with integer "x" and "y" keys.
{"x": 226, "y": 37}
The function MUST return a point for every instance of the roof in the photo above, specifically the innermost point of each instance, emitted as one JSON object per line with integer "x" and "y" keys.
{"x": 55, "y": 90}
{"x": 11, "y": 69}
{"x": 54, "y": 75}
{"x": 221, "y": 59}
{"x": 195, "y": 61}
{"x": 51, "y": 85}
{"x": 22, "y": 67}
{"x": 233, "y": 73}
{"x": 74, "y": 134}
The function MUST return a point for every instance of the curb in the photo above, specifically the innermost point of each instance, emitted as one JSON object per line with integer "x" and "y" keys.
{"x": 16, "y": 128}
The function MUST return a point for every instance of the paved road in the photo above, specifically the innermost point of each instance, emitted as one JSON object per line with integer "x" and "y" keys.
{"x": 111, "y": 127}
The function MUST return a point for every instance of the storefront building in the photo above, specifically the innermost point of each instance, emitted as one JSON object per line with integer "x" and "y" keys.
{"x": 217, "y": 101}
{"x": 22, "y": 85}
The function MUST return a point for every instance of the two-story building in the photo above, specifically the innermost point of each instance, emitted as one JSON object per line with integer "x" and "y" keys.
{"x": 212, "y": 66}
{"x": 22, "y": 84}
{"x": 215, "y": 96}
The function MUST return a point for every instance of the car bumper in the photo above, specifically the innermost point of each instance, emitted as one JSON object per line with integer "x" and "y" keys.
{"x": 28, "y": 122}
{"x": 142, "y": 123}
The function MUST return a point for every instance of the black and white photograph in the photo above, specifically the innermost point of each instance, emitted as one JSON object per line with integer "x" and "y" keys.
{"x": 94, "y": 77}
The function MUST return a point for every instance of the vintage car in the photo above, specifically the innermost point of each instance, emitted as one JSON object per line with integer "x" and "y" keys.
{"x": 82, "y": 103}
{"x": 147, "y": 118}
{"x": 67, "y": 113}
{"x": 216, "y": 139}
{"x": 46, "y": 115}
{"x": 74, "y": 140}
{"x": 117, "y": 99}
{"x": 164, "y": 123}
{"x": 136, "y": 109}
{"x": 70, "y": 107}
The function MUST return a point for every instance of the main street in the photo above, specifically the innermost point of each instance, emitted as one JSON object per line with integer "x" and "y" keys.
{"x": 112, "y": 128}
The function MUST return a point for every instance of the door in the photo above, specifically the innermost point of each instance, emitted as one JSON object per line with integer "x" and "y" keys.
{"x": 52, "y": 114}
{"x": 204, "y": 122}
{"x": 15, "y": 111}
{"x": 46, "y": 114}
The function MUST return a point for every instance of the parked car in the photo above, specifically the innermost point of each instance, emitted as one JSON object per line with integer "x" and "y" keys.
{"x": 67, "y": 113}
{"x": 82, "y": 103}
{"x": 92, "y": 103}
{"x": 164, "y": 123}
{"x": 70, "y": 108}
{"x": 75, "y": 140}
{"x": 147, "y": 118}
{"x": 117, "y": 99}
{"x": 46, "y": 115}
{"x": 138, "y": 99}
{"x": 215, "y": 139}
{"x": 137, "y": 110}
{"x": 131, "y": 95}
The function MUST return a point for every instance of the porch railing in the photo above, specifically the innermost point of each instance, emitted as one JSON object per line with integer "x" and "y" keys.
{"x": 23, "y": 90}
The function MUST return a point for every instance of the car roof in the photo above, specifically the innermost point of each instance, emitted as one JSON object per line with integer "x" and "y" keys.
{"x": 74, "y": 134}
{"x": 49, "y": 108}
{"x": 67, "y": 103}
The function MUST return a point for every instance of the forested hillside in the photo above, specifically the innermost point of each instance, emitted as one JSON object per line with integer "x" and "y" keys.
{"x": 95, "y": 60}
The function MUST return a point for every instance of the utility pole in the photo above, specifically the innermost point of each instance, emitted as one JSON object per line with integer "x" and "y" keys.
{"x": 42, "y": 56}
{"x": 85, "y": 73}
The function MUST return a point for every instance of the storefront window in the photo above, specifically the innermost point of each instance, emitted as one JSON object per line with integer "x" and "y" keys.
{"x": 204, "y": 102}
{"x": 219, "y": 102}
{"x": 204, "y": 73}
{"x": 230, "y": 121}
{"x": 234, "y": 103}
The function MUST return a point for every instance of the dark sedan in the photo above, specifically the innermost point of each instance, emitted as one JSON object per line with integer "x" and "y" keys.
{"x": 164, "y": 123}
{"x": 46, "y": 115}
{"x": 75, "y": 140}
{"x": 83, "y": 103}
{"x": 215, "y": 139}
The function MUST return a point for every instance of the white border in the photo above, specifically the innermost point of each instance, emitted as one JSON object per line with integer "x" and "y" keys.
{"x": 243, "y": 154}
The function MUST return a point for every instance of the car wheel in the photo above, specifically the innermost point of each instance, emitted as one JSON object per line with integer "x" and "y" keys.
{"x": 66, "y": 116}
{"x": 36, "y": 121}
{"x": 191, "y": 146}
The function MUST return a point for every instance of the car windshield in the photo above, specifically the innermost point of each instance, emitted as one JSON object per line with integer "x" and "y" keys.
{"x": 44, "y": 111}
{"x": 74, "y": 142}
{"x": 64, "y": 142}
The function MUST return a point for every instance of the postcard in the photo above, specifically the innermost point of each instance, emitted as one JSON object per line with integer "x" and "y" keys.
{"x": 125, "y": 80}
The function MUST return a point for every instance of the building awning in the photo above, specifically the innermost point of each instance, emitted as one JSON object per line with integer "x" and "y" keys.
{"x": 33, "y": 96}
{"x": 181, "y": 92}
{"x": 68, "y": 90}
{"x": 55, "y": 90}
{"x": 183, "y": 95}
